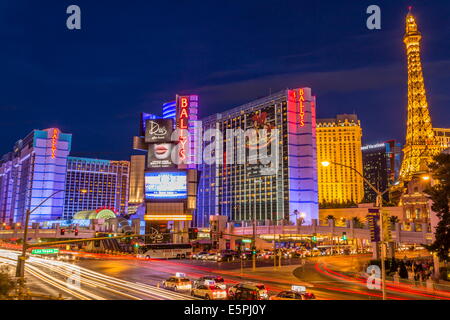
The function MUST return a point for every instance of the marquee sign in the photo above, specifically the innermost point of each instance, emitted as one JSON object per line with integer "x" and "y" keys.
{"x": 182, "y": 124}
{"x": 301, "y": 100}
{"x": 54, "y": 142}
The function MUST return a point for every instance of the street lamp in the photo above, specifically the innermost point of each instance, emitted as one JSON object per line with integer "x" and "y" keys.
{"x": 379, "y": 204}
{"x": 302, "y": 217}
{"x": 20, "y": 270}
{"x": 254, "y": 226}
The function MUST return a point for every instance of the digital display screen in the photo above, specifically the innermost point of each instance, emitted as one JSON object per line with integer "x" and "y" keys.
{"x": 165, "y": 185}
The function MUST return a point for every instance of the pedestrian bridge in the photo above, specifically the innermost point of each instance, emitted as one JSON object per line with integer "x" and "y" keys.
{"x": 46, "y": 234}
{"x": 280, "y": 232}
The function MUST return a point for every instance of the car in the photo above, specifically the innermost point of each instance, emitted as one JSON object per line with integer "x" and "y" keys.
{"x": 266, "y": 254}
{"x": 178, "y": 282}
{"x": 248, "y": 291}
{"x": 227, "y": 255}
{"x": 293, "y": 295}
{"x": 296, "y": 293}
{"x": 209, "y": 291}
{"x": 200, "y": 255}
{"x": 211, "y": 256}
{"x": 218, "y": 281}
{"x": 246, "y": 255}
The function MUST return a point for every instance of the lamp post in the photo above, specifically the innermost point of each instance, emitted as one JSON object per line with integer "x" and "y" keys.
{"x": 254, "y": 228}
{"x": 299, "y": 221}
{"x": 379, "y": 204}
{"x": 20, "y": 270}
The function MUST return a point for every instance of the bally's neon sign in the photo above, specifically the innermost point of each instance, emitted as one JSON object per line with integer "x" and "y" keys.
{"x": 54, "y": 142}
{"x": 301, "y": 100}
{"x": 183, "y": 118}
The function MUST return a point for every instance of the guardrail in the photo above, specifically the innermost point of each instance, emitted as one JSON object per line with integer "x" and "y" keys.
{"x": 401, "y": 236}
{"x": 46, "y": 233}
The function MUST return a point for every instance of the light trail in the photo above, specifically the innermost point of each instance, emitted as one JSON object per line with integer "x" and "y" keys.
{"x": 91, "y": 279}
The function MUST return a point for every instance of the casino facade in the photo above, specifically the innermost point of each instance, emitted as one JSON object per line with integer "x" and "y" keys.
{"x": 243, "y": 191}
{"x": 191, "y": 193}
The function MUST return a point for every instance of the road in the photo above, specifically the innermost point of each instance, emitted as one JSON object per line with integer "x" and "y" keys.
{"x": 105, "y": 278}
{"x": 76, "y": 282}
{"x": 329, "y": 278}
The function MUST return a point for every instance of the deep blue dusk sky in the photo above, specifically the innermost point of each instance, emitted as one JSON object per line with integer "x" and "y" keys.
{"x": 131, "y": 56}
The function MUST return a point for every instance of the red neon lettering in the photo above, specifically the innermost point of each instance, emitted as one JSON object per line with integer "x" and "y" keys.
{"x": 183, "y": 120}
{"x": 184, "y": 102}
{"x": 54, "y": 143}
{"x": 183, "y": 123}
{"x": 301, "y": 99}
{"x": 183, "y": 113}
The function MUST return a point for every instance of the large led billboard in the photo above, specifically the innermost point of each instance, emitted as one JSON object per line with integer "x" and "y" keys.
{"x": 165, "y": 185}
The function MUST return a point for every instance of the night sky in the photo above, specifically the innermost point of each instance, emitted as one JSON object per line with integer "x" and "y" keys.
{"x": 131, "y": 56}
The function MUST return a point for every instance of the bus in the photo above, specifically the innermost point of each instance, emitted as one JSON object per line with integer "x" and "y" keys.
{"x": 165, "y": 251}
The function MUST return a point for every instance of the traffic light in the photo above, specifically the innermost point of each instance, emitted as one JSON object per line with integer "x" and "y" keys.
{"x": 76, "y": 232}
{"x": 253, "y": 250}
{"x": 374, "y": 226}
{"x": 387, "y": 235}
{"x": 344, "y": 236}
{"x": 314, "y": 237}
{"x": 63, "y": 231}
{"x": 193, "y": 233}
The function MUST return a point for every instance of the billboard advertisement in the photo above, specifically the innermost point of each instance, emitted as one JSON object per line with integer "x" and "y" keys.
{"x": 165, "y": 185}
{"x": 263, "y": 119}
{"x": 160, "y": 155}
{"x": 144, "y": 118}
{"x": 158, "y": 130}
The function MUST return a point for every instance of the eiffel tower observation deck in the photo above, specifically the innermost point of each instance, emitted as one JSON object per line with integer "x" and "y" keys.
{"x": 421, "y": 145}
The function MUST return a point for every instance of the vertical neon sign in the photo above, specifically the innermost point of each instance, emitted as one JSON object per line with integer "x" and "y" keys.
{"x": 301, "y": 100}
{"x": 54, "y": 142}
{"x": 183, "y": 119}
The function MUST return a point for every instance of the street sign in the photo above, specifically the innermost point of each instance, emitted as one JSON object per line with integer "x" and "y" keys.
{"x": 246, "y": 240}
{"x": 45, "y": 251}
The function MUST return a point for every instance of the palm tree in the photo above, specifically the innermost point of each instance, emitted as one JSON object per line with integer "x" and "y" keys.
{"x": 331, "y": 217}
{"x": 394, "y": 219}
{"x": 356, "y": 222}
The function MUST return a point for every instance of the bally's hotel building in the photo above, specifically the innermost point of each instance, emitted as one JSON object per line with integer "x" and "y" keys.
{"x": 40, "y": 176}
{"x": 242, "y": 190}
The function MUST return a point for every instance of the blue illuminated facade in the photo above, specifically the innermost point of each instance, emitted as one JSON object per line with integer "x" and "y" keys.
{"x": 242, "y": 191}
{"x": 32, "y": 172}
{"x": 170, "y": 110}
{"x": 38, "y": 175}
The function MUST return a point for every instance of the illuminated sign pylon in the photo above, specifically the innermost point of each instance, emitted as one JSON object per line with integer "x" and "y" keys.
{"x": 54, "y": 142}
{"x": 182, "y": 124}
{"x": 301, "y": 100}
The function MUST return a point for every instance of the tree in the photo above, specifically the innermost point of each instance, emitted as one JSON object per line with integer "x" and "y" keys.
{"x": 7, "y": 284}
{"x": 357, "y": 222}
{"x": 393, "y": 220}
{"x": 330, "y": 217}
{"x": 440, "y": 196}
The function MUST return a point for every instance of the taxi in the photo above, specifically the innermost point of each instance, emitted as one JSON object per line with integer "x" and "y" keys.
{"x": 209, "y": 291}
{"x": 296, "y": 293}
{"x": 217, "y": 280}
{"x": 179, "y": 282}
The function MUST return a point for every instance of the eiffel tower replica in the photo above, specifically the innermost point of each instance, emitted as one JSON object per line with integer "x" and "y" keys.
{"x": 421, "y": 146}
